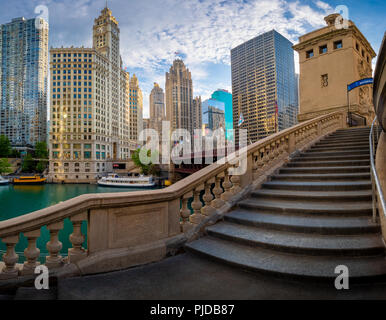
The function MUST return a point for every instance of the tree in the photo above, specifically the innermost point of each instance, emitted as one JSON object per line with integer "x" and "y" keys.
{"x": 149, "y": 168}
{"x": 41, "y": 150}
{"x": 5, "y": 166}
{"x": 5, "y": 146}
{"x": 41, "y": 166}
{"x": 28, "y": 164}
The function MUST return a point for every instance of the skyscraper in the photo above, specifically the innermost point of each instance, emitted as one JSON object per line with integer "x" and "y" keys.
{"x": 23, "y": 81}
{"x": 263, "y": 85}
{"x": 197, "y": 113}
{"x": 136, "y": 109}
{"x": 213, "y": 115}
{"x": 179, "y": 97}
{"x": 157, "y": 108}
{"x": 226, "y": 97}
{"x": 96, "y": 109}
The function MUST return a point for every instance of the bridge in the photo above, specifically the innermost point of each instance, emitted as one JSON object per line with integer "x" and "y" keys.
{"x": 309, "y": 201}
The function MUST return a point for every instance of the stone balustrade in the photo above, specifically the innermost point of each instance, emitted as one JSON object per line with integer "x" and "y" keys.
{"x": 132, "y": 228}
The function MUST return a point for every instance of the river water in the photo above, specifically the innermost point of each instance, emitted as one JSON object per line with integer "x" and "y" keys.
{"x": 20, "y": 200}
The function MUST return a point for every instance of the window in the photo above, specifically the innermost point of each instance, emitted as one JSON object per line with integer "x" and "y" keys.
{"x": 309, "y": 54}
{"x": 357, "y": 46}
{"x": 363, "y": 53}
{"x": 323, "y": 49}
{"x": 338, "y": 44}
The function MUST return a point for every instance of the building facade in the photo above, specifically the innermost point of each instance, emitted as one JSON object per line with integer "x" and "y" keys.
{"x": 179, "y": 97}
{"x": 213, "y": 115}
{"x": 23, "y": 81}
{"x": 157, "y": 109}
{"x": 91, "y": 115}
{"x": 263, "y": 85}
{"x": 197, "y": 113}
{"x": 331, "y": 58}
{"x": 226, "y": 97}
{"x": 136, "y": 109}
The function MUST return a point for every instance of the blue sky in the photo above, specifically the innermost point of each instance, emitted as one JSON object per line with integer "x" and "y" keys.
{"x": 203, "y": 31}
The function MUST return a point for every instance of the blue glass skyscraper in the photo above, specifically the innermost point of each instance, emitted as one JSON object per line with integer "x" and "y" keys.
{"x": 263, "y": 85}
{"x": 226, "y": 97}
{"x": 23, "y": 81}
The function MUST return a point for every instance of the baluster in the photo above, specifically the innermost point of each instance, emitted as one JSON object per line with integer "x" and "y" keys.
{"x": 54, "y": 260}
{"x": 10, "y": 258}
{"x": 276, "y": 153}
{"x": 255, "y": 166}
{"x": 265, "y": 157}
{"x": 208, "y": 210}
{"x": 185, "y": 214}
{"x": 196, "y": 217}
{"x": 77, "y": 252}
{"x": 271, "y": 155}
{"x": 31, "y": 253}
{"x": 227, "y": 184}
{"x": 217, "y": 191}
{"x": 236, "y": 180}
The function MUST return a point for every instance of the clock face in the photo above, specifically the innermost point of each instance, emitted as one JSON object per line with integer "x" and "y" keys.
{"x": 100, "y": 29}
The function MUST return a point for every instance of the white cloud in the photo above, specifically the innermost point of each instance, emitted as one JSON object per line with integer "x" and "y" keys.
{"x": 204, "y": 31}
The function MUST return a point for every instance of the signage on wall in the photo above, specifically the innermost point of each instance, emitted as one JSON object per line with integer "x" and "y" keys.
{"x": 359, "y": 83}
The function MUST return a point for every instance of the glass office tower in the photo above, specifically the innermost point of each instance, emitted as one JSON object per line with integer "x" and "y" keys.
{"x": 226, "y": 97}
{"x": 23, "y": 81}
{"x": 264, "y": 85}
{"x": 213, "y": 115}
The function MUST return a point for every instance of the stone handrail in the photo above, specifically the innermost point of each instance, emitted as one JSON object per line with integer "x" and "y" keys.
{"x": 138, "y": 225}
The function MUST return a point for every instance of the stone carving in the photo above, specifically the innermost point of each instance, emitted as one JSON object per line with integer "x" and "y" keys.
{"x": 363, "y": 70}
{"x": 364, "y": 96}
{"x": 324, "y": 80}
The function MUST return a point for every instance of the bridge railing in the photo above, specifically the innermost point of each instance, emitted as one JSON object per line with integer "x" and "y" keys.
{"x": 131, "y": 228}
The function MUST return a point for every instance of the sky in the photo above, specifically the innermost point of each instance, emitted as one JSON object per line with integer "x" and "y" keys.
{"x": 202, "y": 32}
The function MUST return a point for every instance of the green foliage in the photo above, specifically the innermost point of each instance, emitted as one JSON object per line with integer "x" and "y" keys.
{"x": 5, "y": 146}
{"x": 146, "y": 168}
{"x": 14, "y": 154}
{"x": 5, "y": 166}
{"x": 41, "y": 166}
{"x": 41, "y": 150}
{"x": 28, "y": 164}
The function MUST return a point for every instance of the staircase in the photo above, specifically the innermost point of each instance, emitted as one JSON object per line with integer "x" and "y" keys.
{"x": 312, "y": 216}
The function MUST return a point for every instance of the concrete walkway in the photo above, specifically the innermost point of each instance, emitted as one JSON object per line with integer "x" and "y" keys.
{"x": 188, "y": 276}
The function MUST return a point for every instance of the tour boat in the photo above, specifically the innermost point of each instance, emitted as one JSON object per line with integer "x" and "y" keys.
{"x": 29, "y": 180}
{"x": 3, "y": 181}
{"x": 140, "y": 181}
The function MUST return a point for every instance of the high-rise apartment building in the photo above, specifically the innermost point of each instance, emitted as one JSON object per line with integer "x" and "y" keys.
{"x": 157, "y": 108}
{"x": 23, "y": 81}
{"x": 179, "y": 97}
{"x": 263, "y": 85}
{"x": 224, "y": 96}
{"x": 136, "y": 109}
{"x": 197, "y": 113}
{"x": 94, "y": 104}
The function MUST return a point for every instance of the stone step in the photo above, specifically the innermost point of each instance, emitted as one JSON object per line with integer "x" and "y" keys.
{"x": 329, "y": 157}
{"x": 348, "y": 135}
{"x": 318, "y": 186}
{"x": 324, "y": 170}
{"x": 333, "y": 196}
{"x": 322, "y": 177}
{"x": 334, "y": 154}
{"x": 341, "y": 163}
{"x": 318, "y": 208}
{"x": 360, "y": 144}
{"x": 339, "y": 148}
{"x": 300, "y": 243}
{"x": 304, "y": 223}
{"x": 330, "y": 140}
{"x": 289, "y": 265}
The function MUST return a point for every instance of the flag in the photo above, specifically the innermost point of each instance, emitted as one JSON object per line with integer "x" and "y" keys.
{"x": 241, "y": 120}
